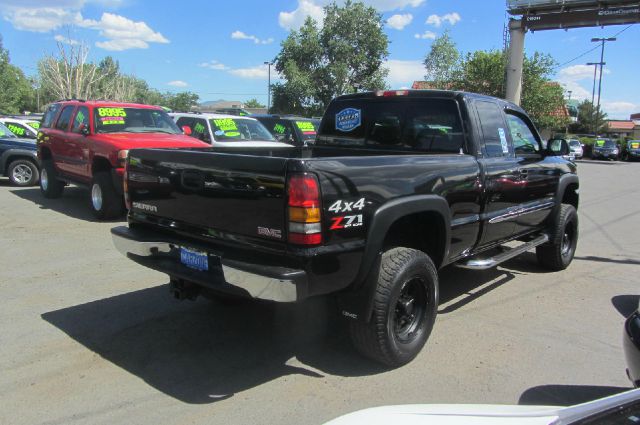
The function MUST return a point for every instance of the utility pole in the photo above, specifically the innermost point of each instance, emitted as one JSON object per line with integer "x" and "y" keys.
{"x": 269, "y": 86}
{"x": 593, "y": 94}
{"x": 516, "y": 58}
{"x": 602, "y": 40}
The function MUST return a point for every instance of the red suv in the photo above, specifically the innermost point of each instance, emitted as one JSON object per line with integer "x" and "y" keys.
{"x": 86, "y": 143}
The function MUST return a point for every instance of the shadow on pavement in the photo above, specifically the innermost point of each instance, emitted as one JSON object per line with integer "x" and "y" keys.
{"x": 73, "y": 203}
{"x": 459, "y": 287}
{"x": 625, "y": 304}
{"x": 566, "y": 395}
{"x": 607, "y": 260}
{"x": 204, "y": 351}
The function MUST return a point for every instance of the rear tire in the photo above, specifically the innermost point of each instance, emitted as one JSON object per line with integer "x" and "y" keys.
{"x": 50, "y": 186}
{"x": 558, "y": 253}
{"x": 104, "y": 201}
{"x": 23, "y": 172}
{"x": 404, "y": 310}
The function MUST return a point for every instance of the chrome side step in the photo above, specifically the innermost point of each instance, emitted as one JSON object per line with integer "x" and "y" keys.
{"x": 487, "y": 263}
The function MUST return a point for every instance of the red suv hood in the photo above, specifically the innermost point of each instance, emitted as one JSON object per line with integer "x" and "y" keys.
{"x": 149, "y": 140}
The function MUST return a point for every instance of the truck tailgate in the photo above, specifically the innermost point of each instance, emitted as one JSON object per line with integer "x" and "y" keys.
{"x": 221, "y": 193}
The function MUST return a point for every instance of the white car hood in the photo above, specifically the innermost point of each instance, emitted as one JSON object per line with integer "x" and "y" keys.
{"x": 451, "y": 414}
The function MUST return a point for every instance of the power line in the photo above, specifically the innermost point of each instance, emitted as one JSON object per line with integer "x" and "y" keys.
{"x": 591, "y": 50}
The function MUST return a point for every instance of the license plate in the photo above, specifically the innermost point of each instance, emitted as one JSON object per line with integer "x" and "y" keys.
{"x": 194, "y": 259}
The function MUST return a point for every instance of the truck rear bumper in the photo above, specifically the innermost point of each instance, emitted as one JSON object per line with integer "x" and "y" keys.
{"x": 264, "y": 282}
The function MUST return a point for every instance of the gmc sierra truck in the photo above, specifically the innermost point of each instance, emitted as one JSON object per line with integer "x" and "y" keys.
{"x": 398, "y": 185}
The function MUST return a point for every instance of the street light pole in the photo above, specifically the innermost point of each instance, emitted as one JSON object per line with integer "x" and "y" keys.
{"x": 593, "y": 93}
{"x": 602, "y": 40}
{"x": 269, "y": 86}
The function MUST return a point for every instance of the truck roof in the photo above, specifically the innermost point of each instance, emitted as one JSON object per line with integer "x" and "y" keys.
{"x": 99, "y": 103}
{"x": 426, "y": 94}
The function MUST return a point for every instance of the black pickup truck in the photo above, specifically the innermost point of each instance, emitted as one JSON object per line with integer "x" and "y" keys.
{"x": 398, "y": 185}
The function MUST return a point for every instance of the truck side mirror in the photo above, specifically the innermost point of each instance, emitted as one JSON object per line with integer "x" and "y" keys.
{"x": 84, "y": 130}
{"x": 558, "y": 147}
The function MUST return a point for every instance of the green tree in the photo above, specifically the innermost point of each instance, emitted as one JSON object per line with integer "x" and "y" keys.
{"x": 16, "y": 91}
{"x": 484, "y": 72}
{"x": 253, "y": 103}
{"x": 587, "y": 116}
{"x": 442, "y": 62}
{"x": 343, "y": 56}
{"x": 182, "y": 101}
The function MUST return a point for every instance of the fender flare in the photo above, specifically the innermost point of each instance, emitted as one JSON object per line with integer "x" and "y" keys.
{"x": 563, "y": 183}
{"x": 17, "y": 152}
{"x": 358, "y": 303}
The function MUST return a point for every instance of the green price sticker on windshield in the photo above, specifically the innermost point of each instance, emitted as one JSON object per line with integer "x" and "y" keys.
{"x": 635, "y": 145}
{"x": 18, "y": 131}
{"x": 232, "y": 134}
{"x": 599, "y": 143}
{"x": 112, "y": 112}
{"x": 279, "y": 128}
{"x": 198, "y": 128}
{"x": 34, "y": 124}
{"x": 306, "y": 126}
{"x": 226, "y": 124}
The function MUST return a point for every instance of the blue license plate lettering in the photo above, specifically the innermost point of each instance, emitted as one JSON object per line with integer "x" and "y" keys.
{"x": 194, "y": 259}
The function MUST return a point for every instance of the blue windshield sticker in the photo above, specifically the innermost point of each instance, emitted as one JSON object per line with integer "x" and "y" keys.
{"x": 348, "y": 119}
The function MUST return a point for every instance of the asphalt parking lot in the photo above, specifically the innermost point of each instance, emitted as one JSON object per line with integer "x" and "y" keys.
{"x": 87, "y": 336}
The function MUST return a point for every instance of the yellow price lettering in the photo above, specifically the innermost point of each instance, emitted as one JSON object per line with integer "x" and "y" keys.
{"x": 112, "y": 112}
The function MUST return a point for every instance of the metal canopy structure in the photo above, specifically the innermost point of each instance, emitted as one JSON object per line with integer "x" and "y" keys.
{"x": 539, "y": 15}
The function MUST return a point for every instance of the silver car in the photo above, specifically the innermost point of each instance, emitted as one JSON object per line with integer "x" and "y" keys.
{"x": 575, "y": 147}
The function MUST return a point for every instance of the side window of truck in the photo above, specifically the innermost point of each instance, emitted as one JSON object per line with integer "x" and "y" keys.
{"x": 65, "y": 118}
{"x": 524, "y": 141}
{"x": 81, "y": 118}
{"x": 200, "y": 129}
{"x": 185, "y": 121}
{"x": 493, "y": 129}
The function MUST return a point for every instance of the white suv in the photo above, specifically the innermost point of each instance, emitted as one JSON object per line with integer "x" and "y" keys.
{"x": 226, "y": 130}
{"x": 26, "y": 129}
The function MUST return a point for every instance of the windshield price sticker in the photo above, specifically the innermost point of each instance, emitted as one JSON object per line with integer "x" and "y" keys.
{"x": 111, "y": 120}
{"x": 34, "y": 124}
{"x": 306, "y": 127}
{"x": 198, "y": 128}
{"x": 503, "y": 140}
{"x": 348, "y": 119}
{"x": 18, "y": 131}
{"x": 232, "y": 134}
{"x": 635, "y": 145}
{"x": 599, "y": 143}
{"x": 279, "y": 128}
{"x": 112, "y": 112}
{"x": 226, "y": 124}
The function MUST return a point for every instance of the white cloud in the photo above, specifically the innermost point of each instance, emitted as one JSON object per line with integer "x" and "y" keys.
{"x": 435, "y": 20}
{"x": 427, "y": 35}
{"x": 177, "y": 83}
{"x": 215, "y": 65}
{"x": 398, "y": 22}
{"x": 121, "y": 33}
{"x": 295, "y": 18}
{"x": 574, "y": 78}
{"x": 65, "y": 40}
{"x": 619, "y": 109}
{"x": 256, "y": 72}
{"x": 404, "y": 72}
{"x": 239, "y": 35}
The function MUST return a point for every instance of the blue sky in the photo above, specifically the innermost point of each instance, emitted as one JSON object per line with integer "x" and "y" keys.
{"x": 217, "y": 48}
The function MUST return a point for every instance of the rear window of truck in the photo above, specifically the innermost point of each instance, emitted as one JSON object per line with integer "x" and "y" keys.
{"x": 425, "y": 125}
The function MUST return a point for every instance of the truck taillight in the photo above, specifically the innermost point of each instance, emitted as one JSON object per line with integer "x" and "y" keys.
{"x": 305, "y": 226}
{"x": 125, "y": 185}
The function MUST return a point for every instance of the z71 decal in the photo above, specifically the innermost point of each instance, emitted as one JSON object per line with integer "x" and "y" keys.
{"x": 347, "y": 221}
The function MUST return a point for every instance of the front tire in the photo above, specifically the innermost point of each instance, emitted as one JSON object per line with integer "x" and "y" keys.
{"x": 558, "y": 253}
{"x": 404, "y": 311}
{"x": 104, "y": 201}
{"x": 50, "y": 186}
{"x": 23, "y": 172}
